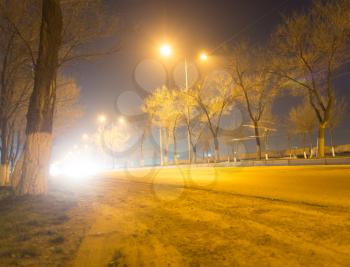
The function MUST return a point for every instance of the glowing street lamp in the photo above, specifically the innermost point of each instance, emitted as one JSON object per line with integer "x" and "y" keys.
{"x": 165, "y": 50}
{"x": 203, "y": 57}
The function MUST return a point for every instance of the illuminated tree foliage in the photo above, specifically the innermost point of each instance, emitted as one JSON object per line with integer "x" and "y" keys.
{"x": 215, "y": 96}
{"x": 161, "y": 106}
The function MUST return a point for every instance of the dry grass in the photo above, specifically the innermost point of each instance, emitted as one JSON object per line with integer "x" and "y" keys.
{"x": 40, "y": 231}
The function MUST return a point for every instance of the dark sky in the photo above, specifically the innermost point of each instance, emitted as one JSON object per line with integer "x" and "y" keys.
{"x": 190, "y": 25}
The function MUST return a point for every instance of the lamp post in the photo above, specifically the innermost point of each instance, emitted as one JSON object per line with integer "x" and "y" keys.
{"x": 166, "y": 51}
{"x": 203, "y": 57}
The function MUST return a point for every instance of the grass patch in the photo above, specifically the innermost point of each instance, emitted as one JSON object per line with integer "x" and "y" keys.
{"x": 39, "y": 231}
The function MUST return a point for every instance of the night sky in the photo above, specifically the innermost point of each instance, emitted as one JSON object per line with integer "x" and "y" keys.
{"x": 190, "y": 26}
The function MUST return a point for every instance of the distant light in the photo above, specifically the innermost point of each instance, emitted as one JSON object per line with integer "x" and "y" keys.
{"x": 85, "y": 137}
{"x": 165, "y": 50}
{"x": 121, "y": 120}
{"x": 102, "y": 118}
{"x": 203, "y": 57}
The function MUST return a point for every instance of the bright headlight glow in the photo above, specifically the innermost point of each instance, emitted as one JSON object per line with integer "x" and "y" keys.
{"x": 75, "y": 166}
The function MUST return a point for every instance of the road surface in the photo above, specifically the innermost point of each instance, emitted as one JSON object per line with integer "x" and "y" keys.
{"x": 257, "y": 216}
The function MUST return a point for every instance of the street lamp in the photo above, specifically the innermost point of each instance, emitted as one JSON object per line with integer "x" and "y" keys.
{"x": 165, "y": 50}
{"x": 203, "y": 57}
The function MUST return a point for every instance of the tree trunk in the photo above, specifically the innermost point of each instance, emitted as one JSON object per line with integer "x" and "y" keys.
{"x": 189, "y": 142}
{"x": 160, "y": 146}
{"x": 166, "y": 144}
{"x": 32, "y": 170}
{"x": 194, "y": 154}
{"x": 216, "y": 149}
{"x": 175, "y": 148}
{"x": 331, "y": 140}
{"x": 14, "y": 150}
{"x": 4, "y": 154}
{"x": 257, "y": 139}
{"x": 321, "y": 143}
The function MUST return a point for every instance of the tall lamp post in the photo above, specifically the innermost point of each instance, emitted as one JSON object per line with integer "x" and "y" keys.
{"x": 166, "y": 51}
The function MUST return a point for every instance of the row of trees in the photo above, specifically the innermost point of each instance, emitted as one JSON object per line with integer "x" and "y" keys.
{"x": 304, "y": 56}
{"x": 38, "y": 38}
{"x": 196, "y": 109}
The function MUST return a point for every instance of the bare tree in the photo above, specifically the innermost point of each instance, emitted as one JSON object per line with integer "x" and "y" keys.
{"x": 31, "y": 171}
{"x": 191, "y": 115}
{"x": 258, "y": 86}
{"x": 311, "y": 46}
{"x": 204, "y": 143}
{"x": 215, "y": 96}
{"x": 15, "y": 77}
{"x": 67, "y": 110}
{"x": 67, "y": 30}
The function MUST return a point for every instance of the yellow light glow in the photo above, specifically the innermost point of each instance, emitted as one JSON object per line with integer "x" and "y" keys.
{"x": 121, "y": 120}
{"x": 165, "y": 50}
{"x": 203, "y": 57}
{"x": 102, "y": 118}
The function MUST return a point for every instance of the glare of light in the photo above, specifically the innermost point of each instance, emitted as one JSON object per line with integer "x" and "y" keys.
{"x": 76, "y": 166}
{"x": 85, "y": 137}
{"x": 203, "y": 57}
{"x": 102, "y": 118}
{"x": 55, "y": 169}
{"x": 79, "y": 168}
{"x": 121, "y": 120}
{"x": 165, "y": 50}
